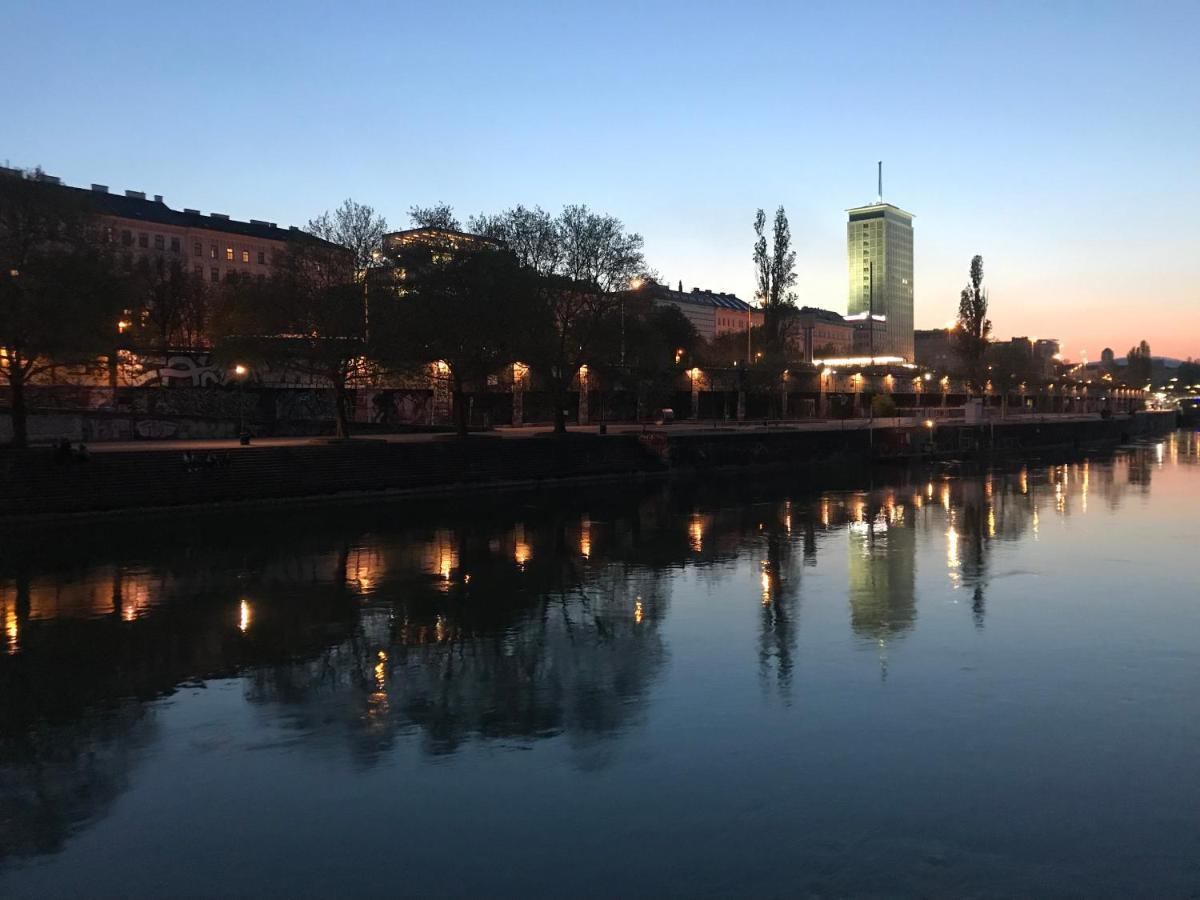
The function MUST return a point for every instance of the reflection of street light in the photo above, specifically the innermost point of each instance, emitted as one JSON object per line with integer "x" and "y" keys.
{"x": 240, "y": 371}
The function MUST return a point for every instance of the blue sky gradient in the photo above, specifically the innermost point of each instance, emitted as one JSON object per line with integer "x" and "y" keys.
{"x": 1060, "y": 140}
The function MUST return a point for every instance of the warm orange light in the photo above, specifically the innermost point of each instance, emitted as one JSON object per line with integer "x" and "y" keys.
{"x": 239, "y": 369}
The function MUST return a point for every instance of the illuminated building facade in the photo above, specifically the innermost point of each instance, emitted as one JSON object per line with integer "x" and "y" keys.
{"x": 712, "y": 313}
{"x": 879, "y": 248}
{"x": 212, "y": 247}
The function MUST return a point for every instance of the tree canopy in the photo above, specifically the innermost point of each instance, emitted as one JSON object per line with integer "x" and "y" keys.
{"x": 60, "y": 296}
{"x": 974, "y": 327}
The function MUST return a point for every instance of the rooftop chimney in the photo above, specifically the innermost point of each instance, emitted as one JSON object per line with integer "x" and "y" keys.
{"x": 222, "y": 216}
{"x": 137, "y": 195}
{"x": 100, "y": 188}
{"x": 158, "y": 198}
{"x": 194, "y": 212}
{"x": 49, "y": 179}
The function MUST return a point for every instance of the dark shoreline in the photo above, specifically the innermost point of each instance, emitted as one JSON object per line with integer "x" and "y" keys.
{"x": 34, "y": 490}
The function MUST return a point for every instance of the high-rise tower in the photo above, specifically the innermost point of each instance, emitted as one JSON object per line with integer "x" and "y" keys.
{"x": 879, "y": 252}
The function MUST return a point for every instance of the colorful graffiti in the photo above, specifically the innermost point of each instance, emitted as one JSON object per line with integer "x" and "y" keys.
{"x": 399, "y": 407}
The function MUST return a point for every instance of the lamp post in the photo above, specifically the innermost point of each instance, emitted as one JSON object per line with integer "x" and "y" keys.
{"x": 243, "y": 437}
{"x": 635, "y": 284}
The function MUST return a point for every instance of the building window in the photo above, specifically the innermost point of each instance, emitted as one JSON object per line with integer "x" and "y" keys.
{"x": 174, "y": 245}
{"x": 245, "y": 256}
{"x": 143, "y": 239}
{"x": 197, "y": 250}
{"x": 262, "y": 258}
{"x": 198, "y": 271}
{"x": 212, "y": 251}
{"x": 216, "y": 274}
{"x": 229, "y": 253}
{"x": 126, "y": 238}
{"x": 159, "y": 242}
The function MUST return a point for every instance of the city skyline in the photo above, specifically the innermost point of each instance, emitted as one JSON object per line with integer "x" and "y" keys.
{"x": 1053, "y": 141}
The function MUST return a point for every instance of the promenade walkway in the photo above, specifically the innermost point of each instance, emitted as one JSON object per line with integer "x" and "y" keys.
{"x": 509, "y": 432}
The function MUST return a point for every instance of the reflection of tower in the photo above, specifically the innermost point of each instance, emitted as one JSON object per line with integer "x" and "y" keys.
{"x": 882, "y": 575}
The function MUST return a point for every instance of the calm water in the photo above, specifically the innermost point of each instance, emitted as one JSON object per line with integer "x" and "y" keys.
{"x": 939, "y": 684}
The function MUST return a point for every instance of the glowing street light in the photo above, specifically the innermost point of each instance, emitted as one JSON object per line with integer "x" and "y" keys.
{"x": 243, "y": 436}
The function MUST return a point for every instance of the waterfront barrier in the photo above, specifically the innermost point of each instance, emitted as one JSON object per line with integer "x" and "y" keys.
{"x": 39, "y": 482}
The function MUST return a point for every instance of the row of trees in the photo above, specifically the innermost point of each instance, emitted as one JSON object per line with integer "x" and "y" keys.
{"x": 551, "y": 291}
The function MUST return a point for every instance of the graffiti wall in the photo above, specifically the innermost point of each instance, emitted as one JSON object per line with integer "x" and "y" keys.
{"x": 394, "y": 407}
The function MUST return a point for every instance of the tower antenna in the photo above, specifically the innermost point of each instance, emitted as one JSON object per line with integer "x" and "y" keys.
{"x": 881, "y": 181}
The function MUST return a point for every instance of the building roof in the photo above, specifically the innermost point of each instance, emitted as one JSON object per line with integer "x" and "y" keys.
{"x": 871, "y": 210}
{"x": 135, "y": 205}
{"x": 825, "y": 315}
{"x": 698, "y": 297}
{"x": 425, "y": 234}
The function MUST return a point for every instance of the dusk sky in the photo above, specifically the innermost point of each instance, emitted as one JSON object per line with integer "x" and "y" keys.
{"x": 1059, "y": 140}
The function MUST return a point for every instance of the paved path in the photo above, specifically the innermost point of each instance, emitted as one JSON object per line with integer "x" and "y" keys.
{"x": 516, "y": 433}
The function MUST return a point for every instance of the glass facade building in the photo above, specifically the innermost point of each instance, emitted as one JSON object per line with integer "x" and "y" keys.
{"x": 879, "y": 253}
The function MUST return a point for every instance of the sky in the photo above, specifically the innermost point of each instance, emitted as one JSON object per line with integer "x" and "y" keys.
{"x": 1060, "y": 140}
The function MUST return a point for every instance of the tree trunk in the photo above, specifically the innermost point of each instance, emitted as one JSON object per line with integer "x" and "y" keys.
{"x": 16, "y": 382}
{"x": 460, "y": 406}
{"x": 342, "y": 416}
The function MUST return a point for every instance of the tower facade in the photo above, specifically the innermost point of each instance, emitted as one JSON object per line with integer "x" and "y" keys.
{"x": 879, "y": 253}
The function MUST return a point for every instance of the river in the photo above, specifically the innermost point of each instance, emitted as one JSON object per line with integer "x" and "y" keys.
{"x": 929, "y": 683}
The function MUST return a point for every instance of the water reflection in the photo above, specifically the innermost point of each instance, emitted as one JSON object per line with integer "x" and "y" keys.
{"x": 507, "y": 623}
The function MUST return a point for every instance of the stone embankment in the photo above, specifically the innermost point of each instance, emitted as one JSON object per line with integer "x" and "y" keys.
{"x": 35, "y": 483}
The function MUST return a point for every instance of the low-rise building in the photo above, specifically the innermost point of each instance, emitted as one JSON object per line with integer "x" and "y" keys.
{"x": 823, "y": 333}
{"x": 212, "y": 246}
{"x": 934, "y": 349}
{"x": 711, "y": 313}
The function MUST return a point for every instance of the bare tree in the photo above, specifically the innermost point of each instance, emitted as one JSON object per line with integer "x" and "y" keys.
{"x": 583, "y": 261}
{"x": 354, "y": 226}
{"x": 308, "y": 317}
{"x": 440, "y": 215}
{"x": 60, "y": 299}
{"x": 171, "y": 304}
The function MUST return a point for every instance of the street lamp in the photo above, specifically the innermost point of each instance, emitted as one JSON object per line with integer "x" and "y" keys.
{"x": 240, "y": 371}
{"x": 635, "y": 284}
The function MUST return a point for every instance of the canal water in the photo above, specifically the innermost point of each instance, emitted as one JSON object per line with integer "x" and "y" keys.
{"x": 929, "y": 683}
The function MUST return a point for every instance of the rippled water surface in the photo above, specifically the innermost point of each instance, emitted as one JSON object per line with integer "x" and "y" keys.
{"x": 938, "y": 683}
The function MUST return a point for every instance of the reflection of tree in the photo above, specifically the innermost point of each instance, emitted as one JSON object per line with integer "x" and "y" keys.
{"x": 528, "y": 640}
{"x": 55, "y": 779}
{"x": 780, "y": 601}
{"x": 974, "y": 549}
